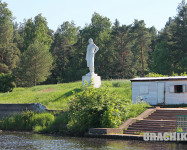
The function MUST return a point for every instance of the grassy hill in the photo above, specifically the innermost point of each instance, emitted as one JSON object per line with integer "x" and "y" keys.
{"x": 57, "y": 96}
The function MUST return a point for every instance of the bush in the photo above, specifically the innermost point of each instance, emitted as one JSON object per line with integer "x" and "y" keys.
{"x": 94, "y": 108}
{"x": 152, "y": 74}
{"x": 6, "y": 82}
{"x": 59, "y": 125}
{"x": 176, "y": 74}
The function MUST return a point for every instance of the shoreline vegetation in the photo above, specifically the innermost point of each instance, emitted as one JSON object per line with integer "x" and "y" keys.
{"x": 83, "y": 107}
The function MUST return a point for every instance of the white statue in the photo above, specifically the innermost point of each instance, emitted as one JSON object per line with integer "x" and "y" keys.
{"x": 91, "y": 77}
{"x": 91, "y": 51}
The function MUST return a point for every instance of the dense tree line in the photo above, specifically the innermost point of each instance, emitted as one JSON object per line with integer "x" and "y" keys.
{"x": 35, "y": 54}
{"x": 170, "y": 54}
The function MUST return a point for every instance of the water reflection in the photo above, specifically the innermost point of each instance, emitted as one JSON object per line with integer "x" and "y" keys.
{"x": 20, "y": 141}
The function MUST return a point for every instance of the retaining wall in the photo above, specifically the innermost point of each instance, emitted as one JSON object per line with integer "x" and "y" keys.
{"x": 10, "y": 109}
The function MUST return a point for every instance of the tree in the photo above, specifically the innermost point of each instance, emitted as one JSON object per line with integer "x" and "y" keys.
{"x": 41, "y": 31}
{"x": 178, "y": 41}
{"x": 6, "y": 82}
{"x": 172, "y": 43}
{"x": 153, "y": 40}
{"x": 34, "y": 39}
{"x": 28, "y": 34}
{"x": 18, "y": 39}
{"x": 36, "y": 29}
{"x": 122, "y": 42}
{"x": 64, "y": 52}
{"x": 161, "y": 62}
{"x": 9, "y": 53}
{"x": 142, "y": 43}
{"x": 153, "y": 33}
{"x": 35, "y": 65}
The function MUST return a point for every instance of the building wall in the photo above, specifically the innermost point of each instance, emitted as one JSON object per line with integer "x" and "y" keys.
{"x": 175, "y": 98}
{"x": 150, "y": 97}
{"x": 148, "y": 91}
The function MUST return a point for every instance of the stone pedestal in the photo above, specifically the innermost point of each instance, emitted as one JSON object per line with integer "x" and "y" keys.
{"x": 94, "y": 78}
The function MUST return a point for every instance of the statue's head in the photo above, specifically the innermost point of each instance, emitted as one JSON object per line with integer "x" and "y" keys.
{"x": 90, "y": 40}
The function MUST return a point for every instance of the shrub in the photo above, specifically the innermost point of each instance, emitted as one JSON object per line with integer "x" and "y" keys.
{"x": 93, "y": 108}
{"x": 176, "y": 74}
{"x": 183, "y": 74}
{"x": 6, "y": 82}
{"x": 59, "y": 125}
{"x": 152, "y": 74}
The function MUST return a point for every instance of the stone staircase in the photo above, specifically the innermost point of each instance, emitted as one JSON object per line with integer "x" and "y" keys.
{"x": 161, "y": 120}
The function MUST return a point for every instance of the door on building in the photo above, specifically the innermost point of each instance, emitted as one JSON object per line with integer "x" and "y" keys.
{"x": 161, "y": 93}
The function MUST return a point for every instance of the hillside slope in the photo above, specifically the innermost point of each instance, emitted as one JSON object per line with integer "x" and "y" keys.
{"x": 57, "y": 96}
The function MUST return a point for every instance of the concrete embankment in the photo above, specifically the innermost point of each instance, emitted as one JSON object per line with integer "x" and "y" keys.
{"x": 10, "y": 109}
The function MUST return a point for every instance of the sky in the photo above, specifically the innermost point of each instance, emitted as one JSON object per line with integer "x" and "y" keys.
{"x": 153, "y": 12}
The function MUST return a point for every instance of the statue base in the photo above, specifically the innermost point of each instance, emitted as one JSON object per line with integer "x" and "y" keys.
{"x": 94, "y": 78}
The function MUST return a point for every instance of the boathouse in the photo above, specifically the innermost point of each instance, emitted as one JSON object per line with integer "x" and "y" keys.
{"x": 160, "y": 90}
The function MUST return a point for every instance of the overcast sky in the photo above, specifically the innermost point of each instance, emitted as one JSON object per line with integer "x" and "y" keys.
{"x": 153, "y": 12}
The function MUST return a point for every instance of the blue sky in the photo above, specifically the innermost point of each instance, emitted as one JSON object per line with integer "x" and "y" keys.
{"x": 153, "y": 12}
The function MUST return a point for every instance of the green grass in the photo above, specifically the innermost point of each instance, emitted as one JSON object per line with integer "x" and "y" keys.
{"x": 28, "y": 121}
{"x": 57, "y": 96}
{"x": 119, "y": 87}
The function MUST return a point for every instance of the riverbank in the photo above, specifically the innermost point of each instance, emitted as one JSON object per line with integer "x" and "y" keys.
{"x": 114, "y": 136}
{"x": 47, "y": 122}
{"x": 87, "y": 108}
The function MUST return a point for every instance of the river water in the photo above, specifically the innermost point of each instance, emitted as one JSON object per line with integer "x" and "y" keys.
{"x": 28, "y": 141}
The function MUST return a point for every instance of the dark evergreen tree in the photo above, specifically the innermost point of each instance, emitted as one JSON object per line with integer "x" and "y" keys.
{"x": 9, "y": 53}
{"x": 64, "y": 53}
{"x": 36, "y": 60}
{"x": 122, "y": 43}
{"x": 172, "y": 42}
{"x": 161, "y": 62}
{"x": 178, "y": 42}
{"x": 141, "y": 46}
{"x": 35, "y": 65}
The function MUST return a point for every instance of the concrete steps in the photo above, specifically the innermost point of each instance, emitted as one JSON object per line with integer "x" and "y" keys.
{"x": 162, "y": 120}
{"x": 166, "y": 114}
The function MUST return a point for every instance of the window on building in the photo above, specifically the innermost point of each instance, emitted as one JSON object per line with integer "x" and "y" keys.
{"x": 178, "y": 88}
